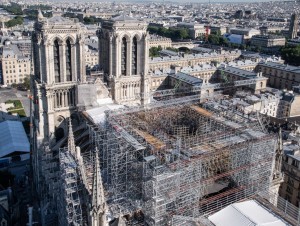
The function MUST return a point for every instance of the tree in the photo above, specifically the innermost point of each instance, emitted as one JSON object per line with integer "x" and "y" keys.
{"x": 13, "y": 22}
{"x": 13, "y": 8}
{"x": 291, "y": 55}
{"x": 26, "y": 83}
{"x": 154, "y": 51}
{"x": 173, "y": 33}
{"x": 214, "y": 39}
{"x": 89, "y": 20}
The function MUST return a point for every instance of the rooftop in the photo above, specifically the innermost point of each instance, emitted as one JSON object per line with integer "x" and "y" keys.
{"x": 13, "y": 138}
{"x": 283, "y": 67}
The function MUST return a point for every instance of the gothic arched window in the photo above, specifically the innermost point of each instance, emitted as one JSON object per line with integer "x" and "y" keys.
{"x": 134, "y": 57}
{"x": 124, "y": 56}
{"x": 56, "y": 61}
{"x": 68, "y": 61}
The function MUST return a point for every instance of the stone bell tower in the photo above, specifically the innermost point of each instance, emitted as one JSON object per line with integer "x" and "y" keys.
{"x": 123, "y": 56}
{"x": 59, "y": 65}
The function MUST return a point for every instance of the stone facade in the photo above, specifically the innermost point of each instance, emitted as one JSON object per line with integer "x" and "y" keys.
{"x": 14, "y": 69}
{"x": 161, "y": 63}
{"x": 60, "y": 43}
{"x": 280, "y": 76}
{"x": 267, "y": 41}
{"x": 124, "y": 53}
{"x": 156, "y": 41}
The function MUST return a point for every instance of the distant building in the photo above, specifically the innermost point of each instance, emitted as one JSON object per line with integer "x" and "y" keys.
{"x": 264, "y": 30}
{"x": 156, "y": 40}
{"x": 241, "y": 35}
{"x": 195, "y": 30}
{"x": 267, "y": 41}
{"x": 247, "y": 33}
{"x": 217, "y": 30}
{"x": 294, "y": 26}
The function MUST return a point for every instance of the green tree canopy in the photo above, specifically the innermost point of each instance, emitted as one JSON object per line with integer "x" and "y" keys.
{"x": 13, "y": 22}
{"x": 291, "y": 55}
{"x": 174, "y": 33}
{"x": 13, "y": 8}
{"x": 154, "y": 51}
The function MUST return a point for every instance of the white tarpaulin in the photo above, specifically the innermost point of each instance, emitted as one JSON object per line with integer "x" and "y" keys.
{"x": 248, "y": 213}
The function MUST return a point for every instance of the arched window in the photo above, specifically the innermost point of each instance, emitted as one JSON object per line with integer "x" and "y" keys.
{"x": 56, "y": 61}
{"x": 134, "y": 56}
{"x": 124, "y": 56}
{"x": 68, "y": 61}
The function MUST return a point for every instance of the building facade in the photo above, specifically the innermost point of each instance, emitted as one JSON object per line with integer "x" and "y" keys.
{"x": 14, "y": 68}
{"x": 280, "y": 76}
{"x": 60, "y": 43}
{"x": 267, "y": 41}
{"x": 124, "y": 55}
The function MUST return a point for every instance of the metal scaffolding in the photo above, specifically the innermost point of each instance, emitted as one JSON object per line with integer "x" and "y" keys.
{"x": 69, "y": 198}
{"x": 182, "y": 159}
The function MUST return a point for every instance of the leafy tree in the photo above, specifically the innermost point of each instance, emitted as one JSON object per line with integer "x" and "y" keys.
{"x": 91, "y": 20}
{"x": 173, "y": 33}
{"x": 214, "y": 39}
{"x": 153, "y": 30}
{"x": 154, "y": 51}
{"x": 13, "y": 8}
{"x": 26, "y": 83}
{"x": 291, "y": 55}
{"x": 13, "y": 22}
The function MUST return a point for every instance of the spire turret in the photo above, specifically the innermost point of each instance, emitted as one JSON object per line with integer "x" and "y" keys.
{"x": 71, "y": 140}
{"x": 99, "y": 208}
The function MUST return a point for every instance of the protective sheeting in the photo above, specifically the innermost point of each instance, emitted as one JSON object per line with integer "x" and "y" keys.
{"x": 13, "y": 138}
{"x": 248, "y": 213}
{"x": 97, "y": 115}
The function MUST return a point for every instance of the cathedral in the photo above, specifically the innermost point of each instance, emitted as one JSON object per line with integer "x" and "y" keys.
{"x": 88, "y": 171}
{"x": 61, "y": 93}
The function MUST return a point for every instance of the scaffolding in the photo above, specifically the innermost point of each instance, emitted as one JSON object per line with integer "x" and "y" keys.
{"x": 181, "y": 159}
{"x": 69, "y": 198}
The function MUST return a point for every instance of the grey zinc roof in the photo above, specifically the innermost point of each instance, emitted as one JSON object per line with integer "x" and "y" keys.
{"x": 187, "y": 78}
{"x": 283, "y": 67}
{"x": 239, "y": 72}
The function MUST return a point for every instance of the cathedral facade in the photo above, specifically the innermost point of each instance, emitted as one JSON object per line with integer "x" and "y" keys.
{"x": 123, "y": 57}
{"x": 58, "y": 67}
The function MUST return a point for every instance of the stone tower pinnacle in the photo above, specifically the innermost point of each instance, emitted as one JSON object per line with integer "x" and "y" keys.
{"x": 99, "y": 208}
{"x": 71, "y": 140}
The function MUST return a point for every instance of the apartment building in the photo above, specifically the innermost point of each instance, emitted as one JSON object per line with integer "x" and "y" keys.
{"x": 281, "y": 76}
{"x": 267, "y": 41}
{"x": 14, "y": 67}
{"x": 290, "y": 188}
{"x": 156, "y": 40}
{"x": 195, "y": 30}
